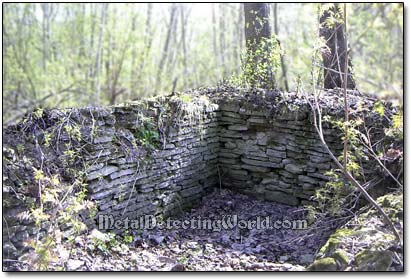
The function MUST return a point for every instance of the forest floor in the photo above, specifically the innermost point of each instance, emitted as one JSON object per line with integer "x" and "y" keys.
{"x": 231, "y": 249}
{"x": 228, "y": 249}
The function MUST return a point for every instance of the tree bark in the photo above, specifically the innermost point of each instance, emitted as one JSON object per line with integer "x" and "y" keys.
{"x": 183, "y": 39}
{"x": 276, "y": 31}
{"x": 133, "y": 72}
{"x": 99, "y": 52}
{"x": 166, "y": 44}
{"x": 222, "y": 28}
{"x": 214, "y": 29}
{"x": 334, "y": 57}
{"x": 257, "y": 33}
{"x": 45, "y": 7}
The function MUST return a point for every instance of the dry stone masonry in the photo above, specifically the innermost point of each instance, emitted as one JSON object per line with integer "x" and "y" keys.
{"x": 161, "y": 155}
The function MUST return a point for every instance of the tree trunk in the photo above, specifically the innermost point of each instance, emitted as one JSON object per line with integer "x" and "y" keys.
{"x": 133, "y": 72}
{"x": 91, "y": 70}
{"x": 213, "y": 18}
{"x": 166, "y": 45}
{"x": 257, "y": 34}
{"x": 148, "y": 39}
{"x": 183, "y": 39}
{"x": 283, "y": 65}
{"x": 46, "y": 14}
{"x": 222, "y": 39}
{"x": 99, "y": 53}
{"x": 334, "y": 57}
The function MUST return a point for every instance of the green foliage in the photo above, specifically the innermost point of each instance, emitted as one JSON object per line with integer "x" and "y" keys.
{"x": 58, "y": 206}
{"x": 376, "y": 32}
{"x": 334, "y": 196}
{"x": 107, "y": 243}
{"x": 128, "y": 238}
{"x": 148, "y": 136}
{"x": 59, "y": 70}
{"x": 379, "y": 108}
{"x": 396, "y": 130}
{"x": 186, "y": 98}
{"x": 259, "y": 64}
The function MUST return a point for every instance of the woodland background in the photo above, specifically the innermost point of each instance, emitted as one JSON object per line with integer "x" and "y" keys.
{"x": 80, "y": 54}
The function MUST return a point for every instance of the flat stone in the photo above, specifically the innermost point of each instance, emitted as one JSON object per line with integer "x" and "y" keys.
{"x": 319, "y": 159}
{"x": 74, "y": 264}
{"x": 295, "y": 169}
{"x": 269, "y": 180}
{"x": 231, "y": 120}
{"x": 276, "y": 153}
{"x": 287, "y": 174}
{"x": 122, "y": 173}
{"x": 307, "y": 179}
{"x": 238, "y": 128}
{"x": 231, "y": 114}
{"x": 103, "y": 194}
{"x": 320, "y": 166}
{"x": 238, "y": 172}
{"x": 320, "y": 176}
{"x": 308, "y": 186}
{"x": 278, "y": 147}
{"x": 277, "y": 187}
{"x": 262, "y": 138}
{"x": 230, "y": 145}
{"x": 257, "y": 120}
{"x": 261, "y": 163}
{"x": 255, "y": 168}
{"x": 101, "y": 172}
{"x": 227, "y": 161}
{"x": 229, "y": 155}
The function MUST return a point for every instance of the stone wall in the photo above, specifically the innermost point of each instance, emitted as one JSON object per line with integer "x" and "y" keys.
{"x": 273, "y": 154}
{"x": 169, "y": 177}
{"x": 161, "y": 155}
{"x": 147, "y": 157}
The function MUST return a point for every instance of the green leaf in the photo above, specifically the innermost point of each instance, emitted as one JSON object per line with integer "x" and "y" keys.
{"x": 379, "y": 108}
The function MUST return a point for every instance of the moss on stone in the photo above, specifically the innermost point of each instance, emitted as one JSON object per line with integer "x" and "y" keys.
{"x": 342, "y": 257}
{"x": 330, "y": 246}
{"x": 371, "y": 260}
{"x": 335, "y": 240}
{"x": 393, "y": 206}
{"x": 325, "y": 264}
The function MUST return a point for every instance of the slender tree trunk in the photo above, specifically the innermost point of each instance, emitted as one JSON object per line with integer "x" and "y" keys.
{"x": 46, "y": 14}
{"x": 99, "y": 52}
{"x": 240, "y": 22}
{"x": 166, "y": 45}
{"x": 234, "y": 38}
{"x": 82, "y": 49}
{"x": 183, "y": 39}
{"x": 276, "y": 32}
{"x": 214, "y": 31}
{"x": 91, "y": 73}
{"x": 145, "y": 54}
{"x": 336, "y": 53}
{"x": 133, "y": 72}
{"x": 174, "y": 45}
{"x": 222, "y": 39}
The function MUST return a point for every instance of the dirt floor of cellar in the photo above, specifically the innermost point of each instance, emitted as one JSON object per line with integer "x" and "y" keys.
{"x": 239, "y": 239}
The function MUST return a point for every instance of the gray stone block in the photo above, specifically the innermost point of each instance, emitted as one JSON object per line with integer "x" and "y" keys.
{"x": 101, "y": 172}
{"x": 276, "y": 153}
